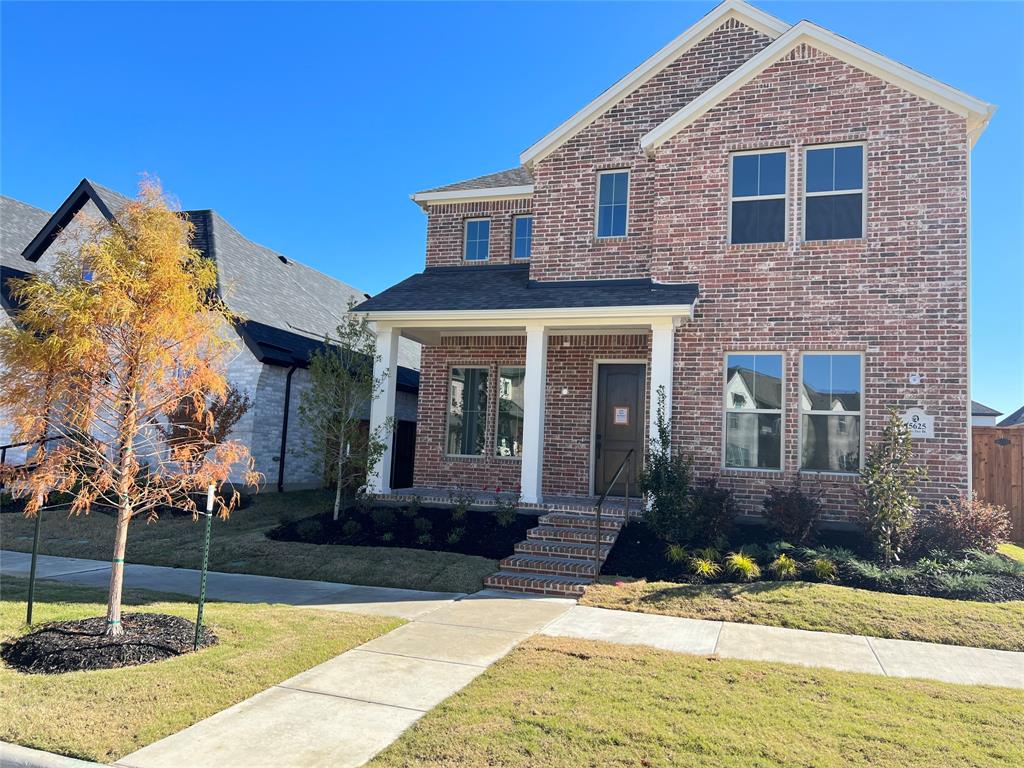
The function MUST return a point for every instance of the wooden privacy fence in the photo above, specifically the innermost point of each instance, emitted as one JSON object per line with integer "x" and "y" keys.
{"x": 999, "y": 471}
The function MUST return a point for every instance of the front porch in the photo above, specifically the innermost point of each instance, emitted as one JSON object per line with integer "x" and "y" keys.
{"x": 615, "y": 506}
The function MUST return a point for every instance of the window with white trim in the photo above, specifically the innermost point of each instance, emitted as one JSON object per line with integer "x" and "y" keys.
{"x": 522, "y": 237}
{"x": 831, "y": 412}
{"x": 834, "y": 192}
{"x": 511, "y": 403}
{"x": 612, "y": 203}
{"x": 477, "y": 241}
{"x": 757, "y": 197}
{"x": 753, "y": 411}
{"x": 467, "y": 411}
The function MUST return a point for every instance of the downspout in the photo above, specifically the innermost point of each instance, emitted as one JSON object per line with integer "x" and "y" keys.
{"x": 284, "y": 428}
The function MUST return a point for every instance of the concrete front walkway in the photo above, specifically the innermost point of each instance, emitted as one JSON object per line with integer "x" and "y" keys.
{"x": 754, "y": 642}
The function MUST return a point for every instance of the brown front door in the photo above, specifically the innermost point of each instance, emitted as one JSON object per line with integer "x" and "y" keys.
{"x": 619, "y": 424}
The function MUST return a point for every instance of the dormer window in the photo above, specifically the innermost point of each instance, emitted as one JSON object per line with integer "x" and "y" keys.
{"x": 477, "y": 242}
{"x": 758, "y": 197}
{"x": 612, "y": 203}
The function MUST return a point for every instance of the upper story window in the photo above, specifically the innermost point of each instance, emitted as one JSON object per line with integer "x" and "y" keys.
{"x": 831, "y": 412}
{"x": 758, "y": 197}
{"x": 612, "y": 203}
{"x": 753, "y": 411}
{"x": 834, "y": 192}
{"x": 478, "y": 239}
{"x": 522, "y": 237}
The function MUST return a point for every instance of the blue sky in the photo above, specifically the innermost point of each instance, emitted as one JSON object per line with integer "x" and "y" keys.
{"x": 308, "y": 125}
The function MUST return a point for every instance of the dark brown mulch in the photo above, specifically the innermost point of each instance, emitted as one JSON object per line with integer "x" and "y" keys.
{"x": 71, "y": 646}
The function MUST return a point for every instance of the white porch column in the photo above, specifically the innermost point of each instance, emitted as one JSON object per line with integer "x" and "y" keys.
{"x": 662, "y": 354}
{"x": 382, "y": 408}
{"x": 533, "y": 415}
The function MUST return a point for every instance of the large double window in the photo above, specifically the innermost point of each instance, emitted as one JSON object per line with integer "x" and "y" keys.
{"x": 612, "y": 203}
{"x": 831, "y": 412}
{"x": 834, "y": 192}
{"x": 758, "y": 197}
{"x": 753, "y": 411}
{"x": 467, "y": 411}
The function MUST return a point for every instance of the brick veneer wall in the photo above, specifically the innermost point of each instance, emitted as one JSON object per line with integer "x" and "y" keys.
{"x": 565, "y": 183}
{"x": 446, "y": 231}
{"x": 899, "y": 295}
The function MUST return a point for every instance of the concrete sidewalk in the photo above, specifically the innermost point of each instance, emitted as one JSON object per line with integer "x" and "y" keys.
{"x": 755, "y": 642}
{"x": 235, "y": 587}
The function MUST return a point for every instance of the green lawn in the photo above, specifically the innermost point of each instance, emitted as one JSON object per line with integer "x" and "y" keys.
{"x": 824, "y": 607}
{"x": 1016, "y": 551}
{"x": 103, "y": 715}
{"x": 239, "y": 546}
{"x": 565, "y": 703}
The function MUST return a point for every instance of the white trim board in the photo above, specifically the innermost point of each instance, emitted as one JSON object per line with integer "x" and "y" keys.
{"x": 977, "y": 112}
{"x": 746, "y": 14}
{"x": 474, "y": 195}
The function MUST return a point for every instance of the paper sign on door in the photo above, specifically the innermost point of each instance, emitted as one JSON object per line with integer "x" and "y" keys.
{"x": 620, "y": 416}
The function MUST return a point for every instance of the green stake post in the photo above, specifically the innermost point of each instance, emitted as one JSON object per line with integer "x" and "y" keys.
{"x": 32, "y": 568}
{"x": 206, "y": 562}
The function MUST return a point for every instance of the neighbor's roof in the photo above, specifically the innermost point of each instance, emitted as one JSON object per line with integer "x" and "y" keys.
{"x": 267, "y": 289}
{"x": 1015, "y": 419}
{"x": 977, "y": 409}
{"x": 508, "y": 286}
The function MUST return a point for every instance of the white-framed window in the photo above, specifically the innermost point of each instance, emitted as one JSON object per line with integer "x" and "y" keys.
{"x": 834, "y": 192}
{"x": 754, "y": 393}
{"x": 757, "y": 196}
{"x": 477, "y": 240}
{"x": 612, "y": 203}
{"x": 467, "y": 410}
{"x": 508, "y": 439}
{"x": 831, "y": 411}
{"x": 522, "y": 237}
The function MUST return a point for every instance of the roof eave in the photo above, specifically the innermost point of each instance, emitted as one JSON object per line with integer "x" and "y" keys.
{"x": 976, "y": 111}
{"x": 551, "y": 315}
{"x": 424, "y": 199}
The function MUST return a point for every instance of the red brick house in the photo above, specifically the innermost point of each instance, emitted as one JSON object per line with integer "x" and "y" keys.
{"x": 767, "y": 221}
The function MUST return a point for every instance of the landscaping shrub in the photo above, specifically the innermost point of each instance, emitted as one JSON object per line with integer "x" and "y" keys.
{"x": 704, "y": 568}
{"x": 383, "y": 518}
{"x": 713, "y": 513}
{"x": 742, "y": 566}
{"x": 784, "y": 567}
{"x": 675, "y": 553}
{"x": 824, "y": 569}
{"x": 962, "y": 523}
{"x": 791, "y": 513}
{"x": 888, "y": 505}
{"x": 667, "y": 479}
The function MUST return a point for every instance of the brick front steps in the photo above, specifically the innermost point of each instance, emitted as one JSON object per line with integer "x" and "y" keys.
{"x": 557, "y": 557}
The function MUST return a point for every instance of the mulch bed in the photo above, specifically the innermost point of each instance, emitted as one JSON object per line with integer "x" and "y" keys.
{"x": 477, "y": 532}
{"x": 72, "y": 646}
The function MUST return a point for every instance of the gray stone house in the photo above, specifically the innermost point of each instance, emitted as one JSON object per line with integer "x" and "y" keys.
{"x": 287, "y": 308}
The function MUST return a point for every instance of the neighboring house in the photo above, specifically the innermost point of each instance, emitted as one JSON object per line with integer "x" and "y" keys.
{"x": 1015, "y": 419}
{"x": 287, "y": 309}
{"x": 767, "y": 222}
{"x": 982, "y": 415}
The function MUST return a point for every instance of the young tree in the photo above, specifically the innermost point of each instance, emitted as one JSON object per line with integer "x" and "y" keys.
{"x": 889, "y": 505}
{"x": 334, "y": 407}
{"x": 99, "y": 361}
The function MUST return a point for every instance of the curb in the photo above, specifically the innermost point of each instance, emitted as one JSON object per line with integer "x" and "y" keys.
{"x": 16, "y": 756}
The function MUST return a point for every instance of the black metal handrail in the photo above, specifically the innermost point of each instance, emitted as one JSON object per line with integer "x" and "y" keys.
{"x": 625, "y": 465}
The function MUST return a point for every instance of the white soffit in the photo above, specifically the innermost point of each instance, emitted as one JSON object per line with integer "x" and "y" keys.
{"x": 977, "y": 112}
{"x": 764, "y": 23}
{"x": 483, "y": 193}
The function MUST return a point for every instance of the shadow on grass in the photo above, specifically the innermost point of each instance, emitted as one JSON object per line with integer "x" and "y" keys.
{"x": 720, "y": 591}
{"x": 15, "y": 590}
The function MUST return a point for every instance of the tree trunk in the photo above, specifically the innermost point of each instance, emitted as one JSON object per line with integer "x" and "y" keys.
{"x": 337, "y": 492}
{"x": 124, "y": 515}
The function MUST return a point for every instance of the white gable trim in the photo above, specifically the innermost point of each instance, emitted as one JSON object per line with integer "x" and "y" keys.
{"x": 473, "y": 195}
{"x": 977, "y": 112}
{"x": 764, "y": 23}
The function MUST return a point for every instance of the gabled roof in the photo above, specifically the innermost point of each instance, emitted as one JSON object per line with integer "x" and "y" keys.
{"x": 977, "y": 409}
{"x": 513, "y": 182}
{"x": 1015, "y": 419}
{"x": 977, "y": 112}
{"x": 752, "y": 17}
{"x": 107, "y": 201}
{"x": 19, "y": 223}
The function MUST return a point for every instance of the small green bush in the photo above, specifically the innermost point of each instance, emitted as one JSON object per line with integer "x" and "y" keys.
{"x": 424, "y": 539}
{"x": 784, "y": 567}
{"x": 455, "y": 535}
{"x": 705, "y": 569}
{"x": 383, "y": 518}
{"x": 742, "y": 567}
{"x": 792, "y": 513}
{"x": 960, "y": 586}
{"x": 309, "y": 528}
{"x": 461, "y": 500}
{"x": 675, "y": 553}
{"x": 387, "y": 537}
{"x": 422, "y": 524}
{"x": 412, "y": 509}
{"x": 994, "y": 564}
{"x": 824, "y": 569}
{"x": 351, "y": 528}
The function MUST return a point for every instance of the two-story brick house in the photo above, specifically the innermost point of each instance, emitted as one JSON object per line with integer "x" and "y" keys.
{"x": 768, "y": 222}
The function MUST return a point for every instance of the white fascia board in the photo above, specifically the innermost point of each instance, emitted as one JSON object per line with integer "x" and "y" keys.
{"x": 975, "y": 110}
{"x": 560, "y": 316}
{"x": 763, "y": 22}
{"x": 484, "y": 193}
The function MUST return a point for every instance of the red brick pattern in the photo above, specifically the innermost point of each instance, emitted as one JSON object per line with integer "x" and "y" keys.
{"x": 446, "y": 231}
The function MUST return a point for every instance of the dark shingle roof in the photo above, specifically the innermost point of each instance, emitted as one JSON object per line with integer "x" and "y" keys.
{"x": 19, "y": 223}
{"x": 1014, "y": 419}
{"x": 509, "y": 287}
{"x": 513, "y": 177}
{"x": 977, "y": 409}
